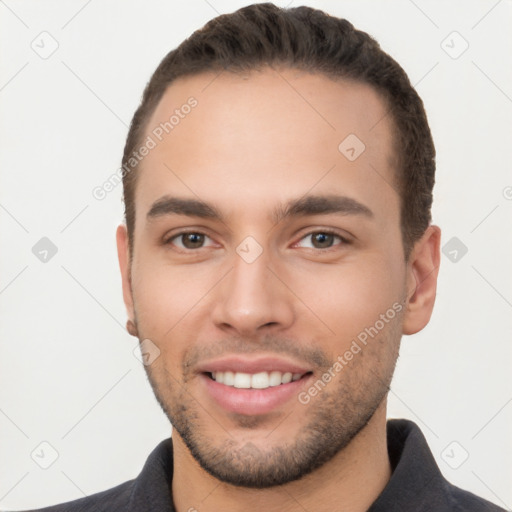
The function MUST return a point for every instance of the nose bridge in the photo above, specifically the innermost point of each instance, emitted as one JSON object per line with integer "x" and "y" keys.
{"x": 249, "y": 279}
{"x": 251, "y": 296}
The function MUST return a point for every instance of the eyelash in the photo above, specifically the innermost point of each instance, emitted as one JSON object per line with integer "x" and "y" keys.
{"x": 326, "y": 231}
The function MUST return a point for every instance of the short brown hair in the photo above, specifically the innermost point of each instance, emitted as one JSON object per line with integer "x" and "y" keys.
{"x": 308, "y": 39}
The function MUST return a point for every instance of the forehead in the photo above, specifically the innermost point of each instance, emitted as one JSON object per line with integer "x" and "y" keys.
{"x": 267, "y": 134}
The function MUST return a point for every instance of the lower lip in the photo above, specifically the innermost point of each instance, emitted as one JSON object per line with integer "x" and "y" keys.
{"x": 253, "y": 401}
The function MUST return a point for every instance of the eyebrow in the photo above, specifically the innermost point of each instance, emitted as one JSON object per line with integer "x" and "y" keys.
{"x": 302, "y": 207}
{"x": 321, "y": 205}
{"x": 168, "y": 205}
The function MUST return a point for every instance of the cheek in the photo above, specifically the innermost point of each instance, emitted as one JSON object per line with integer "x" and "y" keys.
{"x": 166, "y": 295}
{"x": 166, "y": 301}
{"x": 349, "y": 298}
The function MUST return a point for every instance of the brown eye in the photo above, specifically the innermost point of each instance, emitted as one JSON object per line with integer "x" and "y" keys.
{"x": 192, "y": 240}
{"x": 187, "y": 240}
{"x": 322, "y": 240}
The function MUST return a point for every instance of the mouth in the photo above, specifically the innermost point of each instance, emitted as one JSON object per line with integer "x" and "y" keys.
{"x": 259, "y": 384}
{"x": 260, "y": 380}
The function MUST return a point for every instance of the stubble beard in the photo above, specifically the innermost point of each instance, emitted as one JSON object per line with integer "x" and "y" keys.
{"x": 335, "y": 417}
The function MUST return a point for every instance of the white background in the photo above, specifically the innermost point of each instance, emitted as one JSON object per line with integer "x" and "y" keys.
{"x": 68, "y": 374}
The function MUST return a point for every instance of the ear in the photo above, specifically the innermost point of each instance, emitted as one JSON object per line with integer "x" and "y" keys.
{"x": 422, "y": 272}
{"x": 123, "y": 256}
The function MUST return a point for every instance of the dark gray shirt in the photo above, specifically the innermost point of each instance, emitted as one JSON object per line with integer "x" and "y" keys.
{"x": 416, "y": 483}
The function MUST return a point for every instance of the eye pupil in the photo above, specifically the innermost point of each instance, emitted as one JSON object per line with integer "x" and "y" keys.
{"x": 192, "y": 240}
{"x": 322, "y": 240}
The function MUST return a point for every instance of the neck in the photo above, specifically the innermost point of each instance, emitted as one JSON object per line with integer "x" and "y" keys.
{"x": 353, "y": 480}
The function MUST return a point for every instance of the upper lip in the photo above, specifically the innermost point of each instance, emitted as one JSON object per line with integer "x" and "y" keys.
{"x": 255, "y": 365}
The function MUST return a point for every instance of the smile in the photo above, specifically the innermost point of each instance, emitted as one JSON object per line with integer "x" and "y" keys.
{"x": 260, "y": 380}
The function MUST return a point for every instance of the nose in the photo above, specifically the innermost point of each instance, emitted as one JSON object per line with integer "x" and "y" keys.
{"x": 252, "y": 299}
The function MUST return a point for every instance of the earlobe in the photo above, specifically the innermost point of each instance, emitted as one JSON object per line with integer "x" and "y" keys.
{"x": 422, "y": 272}
{"x": 124, "y": 266}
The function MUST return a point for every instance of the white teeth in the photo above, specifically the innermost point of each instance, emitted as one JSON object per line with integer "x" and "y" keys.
{"x": 275, "y": 378}
{"x": 287, "y": 377}
{"x": 261, "y": 380}
{"x": 229, "y": 378}
{"x": 242, "y": 380}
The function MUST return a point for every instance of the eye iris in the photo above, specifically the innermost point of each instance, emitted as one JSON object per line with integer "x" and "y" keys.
{"x": 192, "y": 240}
{"x": 323, "y": 240}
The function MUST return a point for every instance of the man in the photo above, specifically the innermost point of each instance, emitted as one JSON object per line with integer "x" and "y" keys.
{"x": 278, "y": 181}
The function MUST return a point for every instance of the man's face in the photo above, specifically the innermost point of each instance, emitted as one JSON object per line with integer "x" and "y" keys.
{"x": 298, "y": 253}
